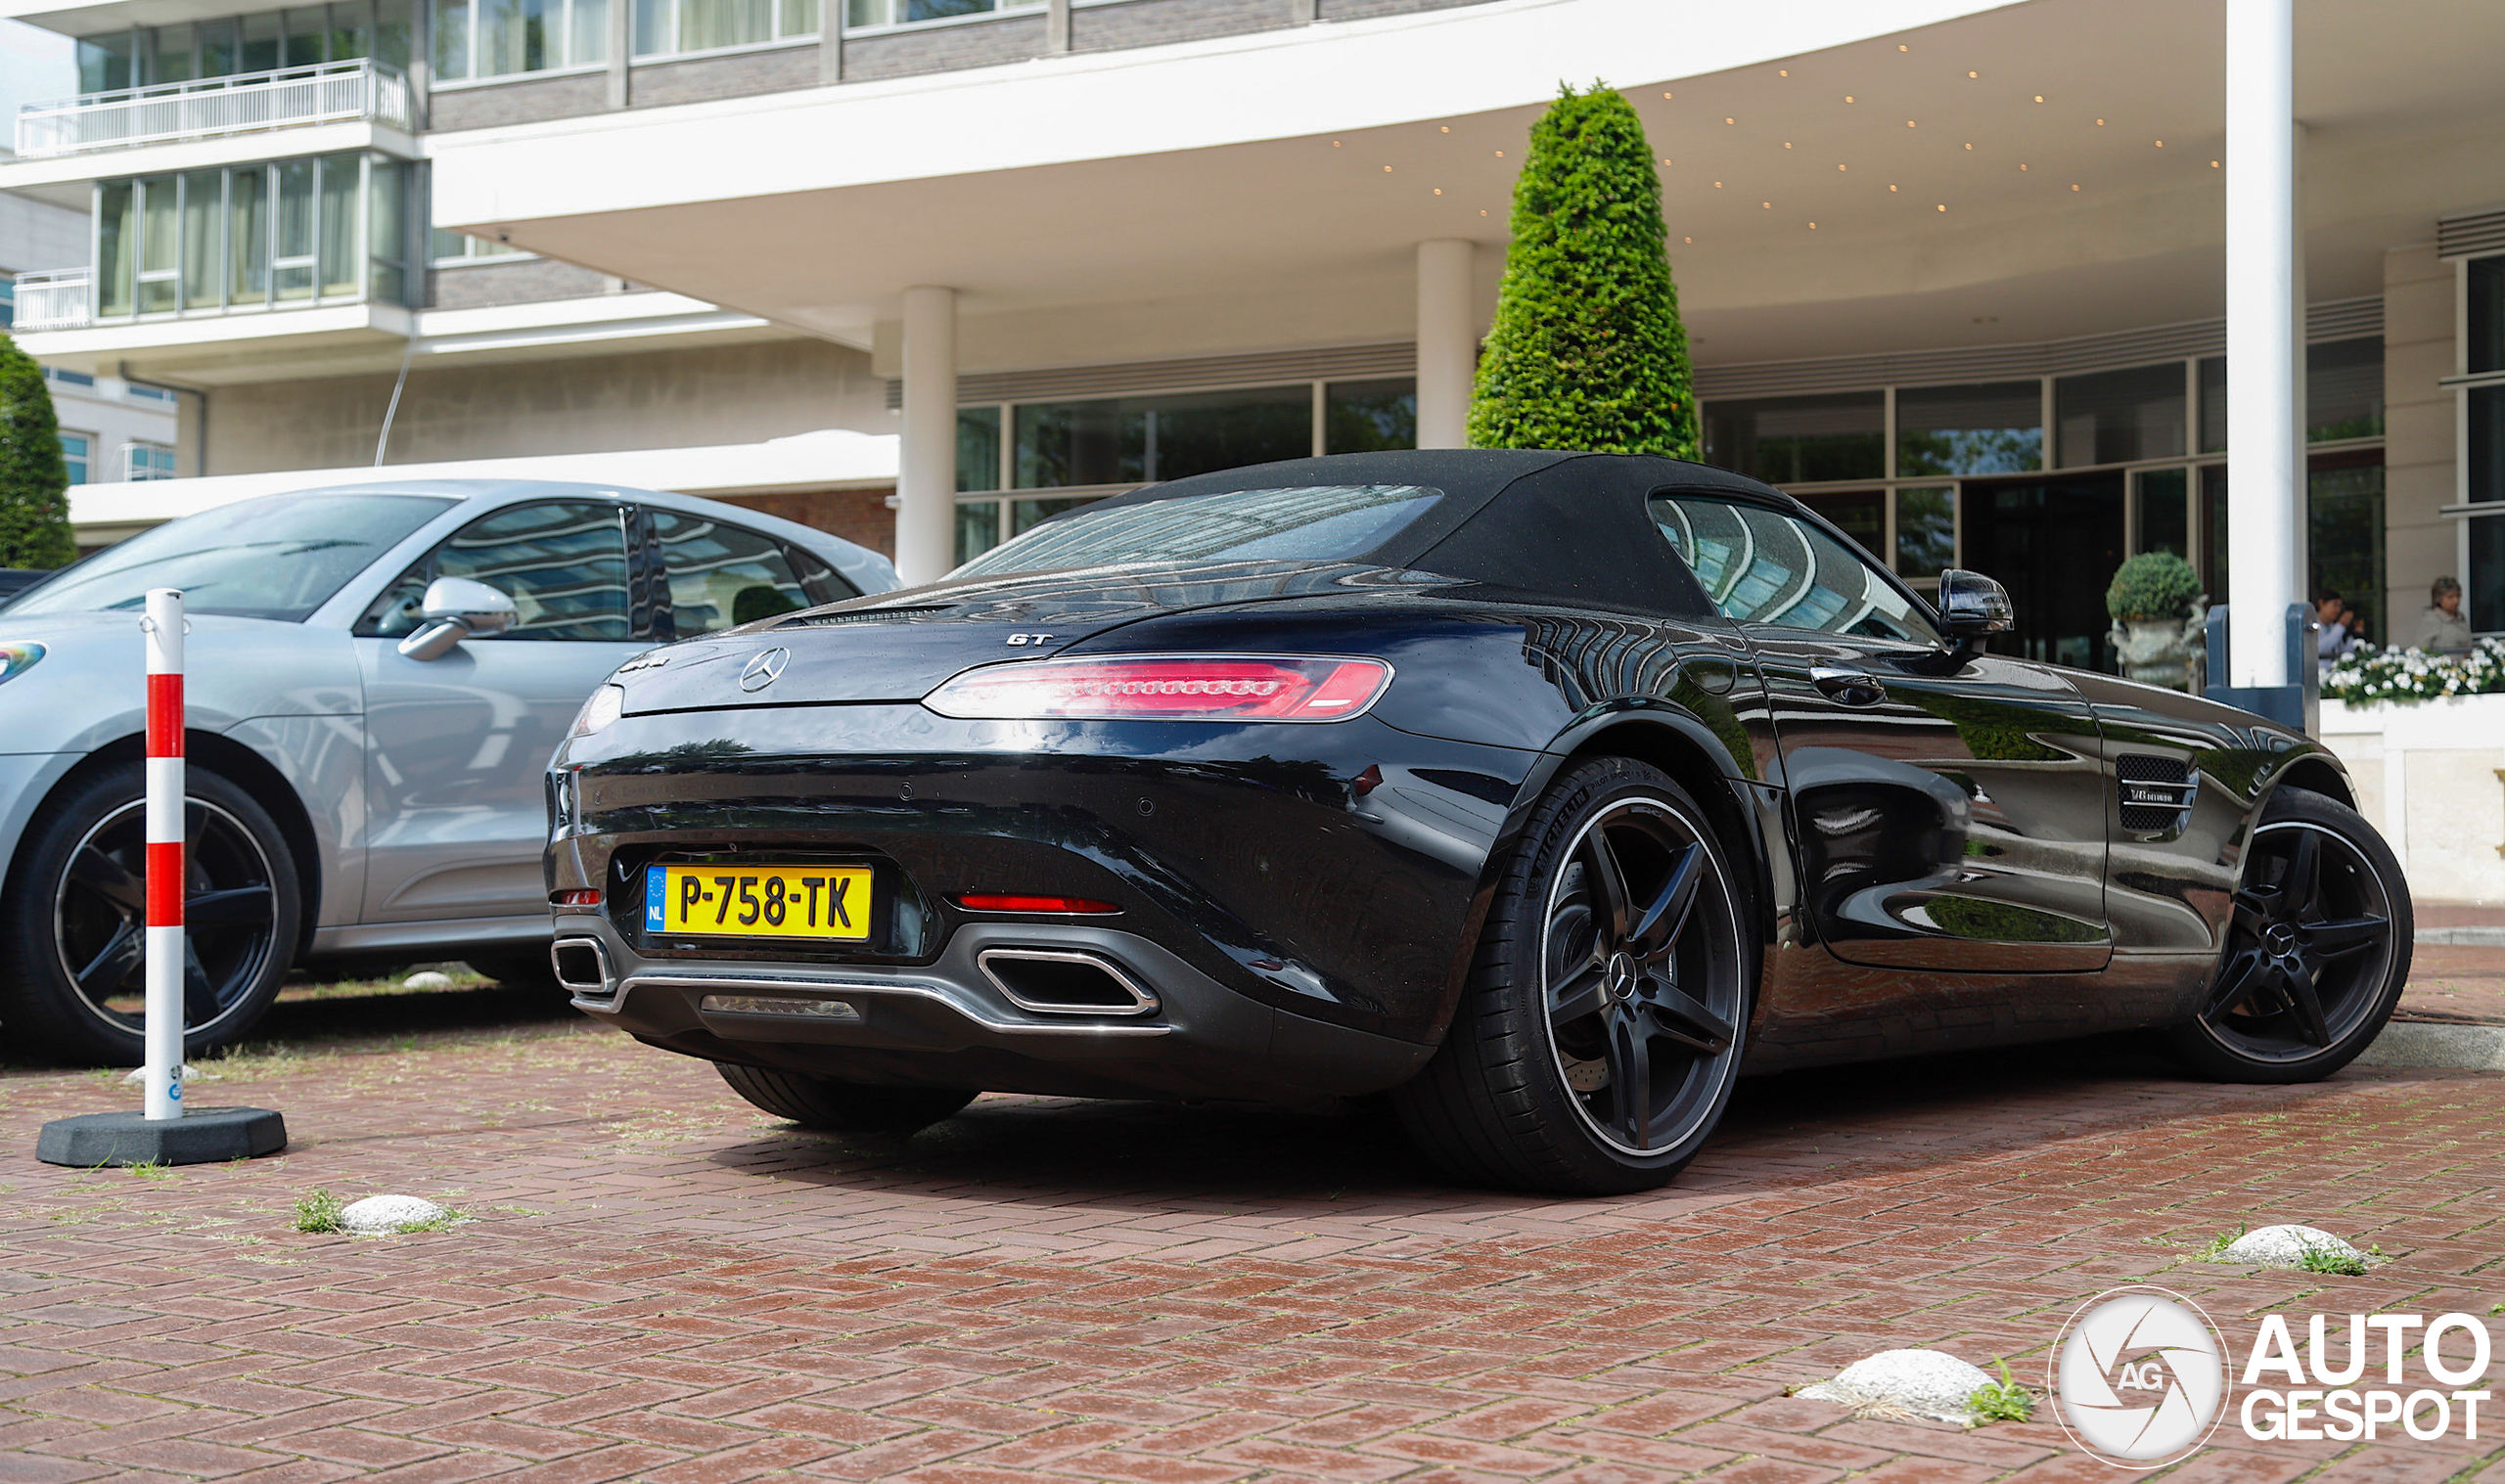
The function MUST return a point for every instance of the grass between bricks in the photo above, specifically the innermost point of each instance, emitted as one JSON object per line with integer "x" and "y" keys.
{"x": 2001, "y": 1401}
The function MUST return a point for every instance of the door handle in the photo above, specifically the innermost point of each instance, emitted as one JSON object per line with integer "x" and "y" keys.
{"x": 1852, "y": 687}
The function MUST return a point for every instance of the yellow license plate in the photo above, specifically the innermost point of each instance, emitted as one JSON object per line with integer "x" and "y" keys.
{"x": 758, "y": 901}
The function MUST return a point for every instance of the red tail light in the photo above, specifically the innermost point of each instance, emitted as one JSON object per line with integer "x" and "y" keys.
{"x": 580, "y": 896}
{"x": 1167, "y": 688}
{"x": 1001, "y": 900}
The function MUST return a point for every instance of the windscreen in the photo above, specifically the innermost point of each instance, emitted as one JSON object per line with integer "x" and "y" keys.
{"x": 1328, "y": 523}
{"x": 278, "y": 557}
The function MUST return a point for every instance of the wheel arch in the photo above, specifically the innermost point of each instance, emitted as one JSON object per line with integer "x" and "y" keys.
{"x": 1696, "y": 760}
{"x": 2316, "y": 773}
{"x": 247, "y": 770}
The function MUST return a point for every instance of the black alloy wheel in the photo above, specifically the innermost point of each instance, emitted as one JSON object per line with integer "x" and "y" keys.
{"x": 80, "y": 914}
{"x": 2317, "y": 949}
{"x": 1602, "y": 1033}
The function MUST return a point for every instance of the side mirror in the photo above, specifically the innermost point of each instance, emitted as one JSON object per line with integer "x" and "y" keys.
{"x": 1973, "y": 606}
{"x": 456, "y": 608}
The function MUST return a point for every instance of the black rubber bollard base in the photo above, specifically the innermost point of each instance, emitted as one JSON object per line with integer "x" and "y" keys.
{"x": 201, "y": 1136}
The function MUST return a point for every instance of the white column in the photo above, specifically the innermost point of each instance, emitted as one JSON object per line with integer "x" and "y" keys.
{"x": 927, "y": 474}
{"x": 2265, "y": 342}
{"x": 1447, "y": 342}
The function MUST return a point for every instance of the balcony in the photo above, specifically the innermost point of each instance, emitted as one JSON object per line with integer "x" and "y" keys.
{"x": 62, "y": 298}
{"x": 357, "y": 91}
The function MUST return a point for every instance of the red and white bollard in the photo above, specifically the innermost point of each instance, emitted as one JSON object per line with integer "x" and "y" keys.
{"x": 163, "y": 1131}
{"x": 162, "y": 1075}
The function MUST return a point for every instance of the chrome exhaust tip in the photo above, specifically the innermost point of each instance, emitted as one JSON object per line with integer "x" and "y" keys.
{"x": 1060, "y": 981}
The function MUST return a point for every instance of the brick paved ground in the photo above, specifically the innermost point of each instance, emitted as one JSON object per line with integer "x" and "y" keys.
{"x": 661, "y": 1285}
{"x": 2450, "y": 983}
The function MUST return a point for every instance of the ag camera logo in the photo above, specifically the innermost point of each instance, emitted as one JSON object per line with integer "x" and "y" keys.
{"x": 2140, "y": 1376}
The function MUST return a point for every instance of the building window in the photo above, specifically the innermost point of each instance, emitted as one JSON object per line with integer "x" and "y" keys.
{"x": 1801, "y": 441}
{"x": 2485, "y": 586}
{"x": 67, "y": 378}
{"x": 2119, "y": 416}
{"x": 2344, "y": 391}
{"x": 2483, "y": 320}
{"x": 1111, "y": 443}
{"x": 146, "y": 461}
{"x": 323, "y": 229}
{"x": 1140, "y": 440}
{"x": 8, "y": 300}
{"x": 508, "y": 38}
{"x": 1363, "y": 417}
{"x": 78, "y": 450}
{"x": 267, "y": 41}
{"x": 2213, "y": 404}
{"x": 868, "y": 13}
{"x": 139, "y": 393}
{"x": 1989, "y": 430}
{"x": 447, "y": 248}
{"x": 668, "y": 28}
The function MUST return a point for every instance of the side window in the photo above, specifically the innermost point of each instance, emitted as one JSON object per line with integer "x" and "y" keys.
{"x": 562, "y": 562}
{"x": 1761, "y": 566}
{"x": 723, "y": 575}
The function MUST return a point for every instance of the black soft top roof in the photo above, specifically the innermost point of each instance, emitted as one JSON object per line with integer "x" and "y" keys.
{"x": 1535, "y": 521}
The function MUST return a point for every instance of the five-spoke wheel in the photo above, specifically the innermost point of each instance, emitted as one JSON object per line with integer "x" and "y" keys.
{"x": 77, "y": 912}
{"x": 2318, "y": 948}
{"x": 1602, "y": 1030}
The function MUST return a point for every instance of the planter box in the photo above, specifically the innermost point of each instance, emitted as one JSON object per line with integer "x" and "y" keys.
{"x": 2431, "y": 776}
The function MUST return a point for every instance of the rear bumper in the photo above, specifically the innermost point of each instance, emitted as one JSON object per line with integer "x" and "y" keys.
{"x": 948, "y": 1023}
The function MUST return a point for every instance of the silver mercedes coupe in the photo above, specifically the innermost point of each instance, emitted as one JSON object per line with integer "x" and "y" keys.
{"x": 377, "y": 674}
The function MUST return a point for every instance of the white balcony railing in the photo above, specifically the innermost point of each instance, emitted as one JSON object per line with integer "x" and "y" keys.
{"x": 332, "y": 92}
{"x": 62, "y": 298}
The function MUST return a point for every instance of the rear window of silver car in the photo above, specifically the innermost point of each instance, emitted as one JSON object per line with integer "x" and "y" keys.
{"x": 278, "y": 557}
{"x": 1331, "y": 522}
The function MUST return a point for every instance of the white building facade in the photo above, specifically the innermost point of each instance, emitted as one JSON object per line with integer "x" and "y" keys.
{"x": 1955, "y": 270}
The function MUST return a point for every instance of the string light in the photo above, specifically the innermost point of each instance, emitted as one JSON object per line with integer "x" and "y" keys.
{"x": 1891, "y": 188}
{"x": 1386, "y": 169}
{"x": 2160, "y": 144}
{"x": 2100, "y": 124}
{"x": 1687, "y": 238}
{"x": 2022, "y": 167}
{"x": 1943, "y": 206}
{"x": 1717, "y": 185}
{"x": 1439, "y": 190}
{"x": 1847, "y": 98}
{"x": 2039, "y": 98}
{"x": 2074, "y": 187}
{"x": 1974, "y": 74}
{"x": 1730, "y": 120}
{"x": 1786, "y": 144}
{"x": 1447, "y": 128}
{"x": 1844, "y": 167}
{"x": 1903, "y": 48}
{"x": 1500, "y": 154}
{"x": 1909, "y": 123}
{"x": 1814, "y": 226}
{"x": 1783, "y": 72}
{"x": 1770, "y": 205}
{"x": 1969, "y": 148}
{"x": 2213, "y": 165}
{"x": 1666, "y": 160}
{"x": 1666, "y": 97}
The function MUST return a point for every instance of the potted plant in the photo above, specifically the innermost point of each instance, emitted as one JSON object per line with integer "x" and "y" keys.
{"x": 2158, "y": 610}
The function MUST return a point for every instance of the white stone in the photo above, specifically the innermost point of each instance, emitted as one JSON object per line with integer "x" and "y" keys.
{"x": 2284, "y": 1247}
{"x": 427, "y": 978}
{"x": 390, "y": 1213}
{"x": 1923, "y": 1384}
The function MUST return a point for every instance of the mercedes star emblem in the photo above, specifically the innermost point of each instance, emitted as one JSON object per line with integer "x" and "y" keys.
{"x": 758, "y": 673}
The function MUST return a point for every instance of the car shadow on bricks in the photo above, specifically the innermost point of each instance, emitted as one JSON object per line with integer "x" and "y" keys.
{"x": 1783, "y": 1131}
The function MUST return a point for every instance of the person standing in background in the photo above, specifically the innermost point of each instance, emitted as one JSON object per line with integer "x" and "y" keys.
{"x": 2442, "y": 629}
{"x": 2333, "y": 635}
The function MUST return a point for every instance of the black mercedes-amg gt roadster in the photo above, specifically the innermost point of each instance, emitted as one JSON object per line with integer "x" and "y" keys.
{"x": 1544, "y": 792}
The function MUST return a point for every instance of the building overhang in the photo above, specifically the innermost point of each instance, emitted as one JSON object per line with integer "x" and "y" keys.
{"x": 65, "y": 177}
{"x": 349, "y": 339}
{"x": 828, "y": 459}
{"x": 1119, "y": 206}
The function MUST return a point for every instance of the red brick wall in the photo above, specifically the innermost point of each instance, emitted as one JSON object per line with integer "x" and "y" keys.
{"x": 858, "y": 515}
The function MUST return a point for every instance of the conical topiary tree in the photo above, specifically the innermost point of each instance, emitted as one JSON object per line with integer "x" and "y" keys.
{"x": 1587, "y": 351}
{"x": 35, "y": 479}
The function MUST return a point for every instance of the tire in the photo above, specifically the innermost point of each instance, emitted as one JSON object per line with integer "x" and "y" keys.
{"x": 2308, "y": 976}
{"x": 843, "y": 1107}
{"x": 75, "y": 915}
{"x": 1563, "y": 1005}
